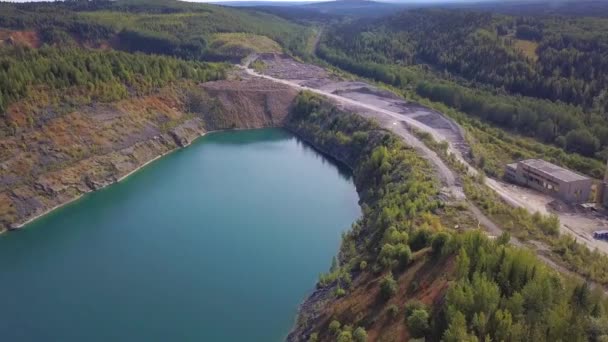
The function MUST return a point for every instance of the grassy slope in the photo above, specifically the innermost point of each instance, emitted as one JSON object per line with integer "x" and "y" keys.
{"x": 239, "y": 44}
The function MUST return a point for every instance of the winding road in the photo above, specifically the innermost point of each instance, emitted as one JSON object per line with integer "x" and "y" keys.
{"x": 393, "y": 121}
{"x": 401, "y": 125}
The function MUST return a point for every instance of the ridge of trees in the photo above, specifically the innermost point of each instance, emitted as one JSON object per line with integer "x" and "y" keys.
{"x": 173, "y": 28}
{"x": 560, "y": 98}
{"x": 23, "y": 69}
{"x": 146, "y": 29}
{"x": 496, "y": 291}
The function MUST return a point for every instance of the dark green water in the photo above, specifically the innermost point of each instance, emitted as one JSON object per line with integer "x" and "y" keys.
{"x": 217, "y": 242}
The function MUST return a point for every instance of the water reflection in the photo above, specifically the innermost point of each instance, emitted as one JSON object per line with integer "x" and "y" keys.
{"x": 186, "y": 249}
{"x": 343, "y": 170}
{"x": 266, "y": 137}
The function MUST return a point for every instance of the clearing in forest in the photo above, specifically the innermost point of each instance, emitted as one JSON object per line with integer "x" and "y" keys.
{"x": 243, "y": 44}
{"x": 527, "y": 47}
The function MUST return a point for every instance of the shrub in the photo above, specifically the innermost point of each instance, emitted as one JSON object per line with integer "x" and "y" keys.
{"x": 363, "y": 265}
{"x": 360, "y": 335}
{"x": 420, "y": 239}
{"x": 392, "y": 311}
{"x": 404, "y": 255}
{"x": 334, "y": 327}
{"x": 504, "y": 238}
{"x": 345, "y": 336}
{"x": 413, "y": 305}
{"x": 548, "y": 224}
{"x": 346, "y": 279}
{"x": 386, "y": 256}
{"x": 439, "y": 241}
{"x": 418, "y": 323}
{"x": 388, "y": 287}
{"x": 413, "y": 286}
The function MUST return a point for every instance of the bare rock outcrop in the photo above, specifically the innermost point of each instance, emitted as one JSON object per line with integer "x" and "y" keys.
{"x": 61, "y": 157}
{"x": 249, "y": 103}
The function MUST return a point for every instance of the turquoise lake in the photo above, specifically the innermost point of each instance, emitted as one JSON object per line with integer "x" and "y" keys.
{"x": 220, "y": 241}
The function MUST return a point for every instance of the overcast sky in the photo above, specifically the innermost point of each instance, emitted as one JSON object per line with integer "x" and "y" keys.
{"x": 401, "y": 1}
{"x": 394, "y": 1}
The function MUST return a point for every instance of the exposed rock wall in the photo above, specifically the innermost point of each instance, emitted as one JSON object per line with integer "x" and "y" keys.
{"x": 62, "y": 157}
{"x": 248, "y": 103}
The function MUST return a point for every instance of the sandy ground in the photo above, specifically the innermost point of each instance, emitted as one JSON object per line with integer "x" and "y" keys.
{"x": 399, "y": 116}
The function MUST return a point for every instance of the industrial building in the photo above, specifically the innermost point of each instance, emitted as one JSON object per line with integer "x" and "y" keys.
{"x": 551, "y": 179}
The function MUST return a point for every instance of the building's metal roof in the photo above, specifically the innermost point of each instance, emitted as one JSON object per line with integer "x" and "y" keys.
{"x": 553, "y": 170}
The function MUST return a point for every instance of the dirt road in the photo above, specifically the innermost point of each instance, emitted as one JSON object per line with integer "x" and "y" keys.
{"x": 398, "y": 115}
{"x": 396, "y": 122}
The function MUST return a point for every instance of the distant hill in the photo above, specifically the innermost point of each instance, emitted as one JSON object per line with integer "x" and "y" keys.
{"x": 261, "y": 3}
{"x": 594, "y": 8}
{"x": 323, "y": 11}
{"x": 370, "y": 8}
{"x": 361, "y": 7}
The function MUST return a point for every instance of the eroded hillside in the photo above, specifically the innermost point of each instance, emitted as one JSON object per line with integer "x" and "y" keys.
{"x": 67, "y": 155}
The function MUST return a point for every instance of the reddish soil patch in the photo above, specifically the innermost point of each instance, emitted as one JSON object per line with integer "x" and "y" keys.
{"x": 31, "y": 38}
{"x": 426, "y": 279}
{"x": 105, "y": 45}
{"x": 28, "y": 38}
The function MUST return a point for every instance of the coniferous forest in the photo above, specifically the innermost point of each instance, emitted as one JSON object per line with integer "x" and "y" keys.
{"x": 541, "y": 76}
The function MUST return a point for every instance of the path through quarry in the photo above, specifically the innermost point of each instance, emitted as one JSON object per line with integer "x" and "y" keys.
{"x": 400, "y": 116}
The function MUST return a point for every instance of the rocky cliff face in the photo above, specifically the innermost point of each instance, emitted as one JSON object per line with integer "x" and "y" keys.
{"x": 247, "y": 103}
{"x": 53, "y": 161}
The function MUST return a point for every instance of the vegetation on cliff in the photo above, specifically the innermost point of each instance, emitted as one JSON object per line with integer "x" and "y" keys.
{"x": 101, "y": 75}
{"x": 382, "y": 284}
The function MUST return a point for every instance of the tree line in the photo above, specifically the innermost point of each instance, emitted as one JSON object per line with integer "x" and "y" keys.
{"x": 23, "y": 69}
{"x": 564, "y": 126}
{"x": 479, "y": 46}
{"x": 470, "y": 62}
{"x": 173, "y": 28}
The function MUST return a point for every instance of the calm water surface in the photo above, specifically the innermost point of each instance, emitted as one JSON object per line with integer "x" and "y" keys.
{"x": 217, "y": 242}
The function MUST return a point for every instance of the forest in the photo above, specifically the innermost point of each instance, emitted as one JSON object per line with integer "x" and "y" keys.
{"x": 541, "y": 76}
{"x": 23, "y": 69}
{"x": 173, "y": 28}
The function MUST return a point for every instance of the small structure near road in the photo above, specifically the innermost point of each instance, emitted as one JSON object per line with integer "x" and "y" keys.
{"x": 551, "y": 179}
{"x": 600, "y": 235}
